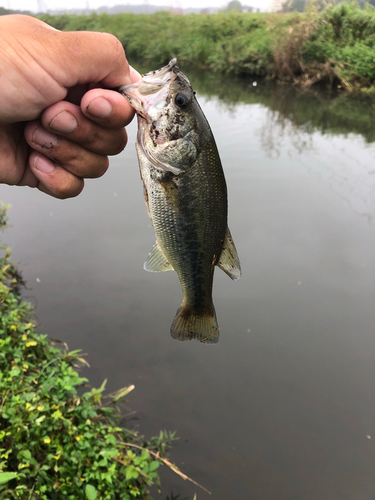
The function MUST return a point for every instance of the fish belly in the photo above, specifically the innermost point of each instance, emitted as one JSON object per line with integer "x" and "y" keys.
{"x": 189, "y": 216}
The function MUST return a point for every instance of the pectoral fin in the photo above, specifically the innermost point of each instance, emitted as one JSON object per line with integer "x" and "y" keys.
{"x": 229, "y": 261}
{"x": 156, "y": 262}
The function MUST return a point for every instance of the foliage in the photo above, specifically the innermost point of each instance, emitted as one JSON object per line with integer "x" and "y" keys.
{"x": 233, "y": 5}
{"x": 302, "y": 5}
{"x": 3, "y": 216}
{"x": 231, "y": 43}
{"x": 55, "y": 443}
{"x": 334, "y": 46}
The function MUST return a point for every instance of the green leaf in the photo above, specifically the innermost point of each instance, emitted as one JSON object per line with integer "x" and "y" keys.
{"x": 26, "y": 454}
{"x": 123, "y": 392}
{"x": 91, "y": 493}
{"x": 153, "y": 465}
{"x": 7, "y": 476}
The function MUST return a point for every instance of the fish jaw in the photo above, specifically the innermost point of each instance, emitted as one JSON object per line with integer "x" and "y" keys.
{"x": 152, "y": 91}
{"x": 165, "y": 131}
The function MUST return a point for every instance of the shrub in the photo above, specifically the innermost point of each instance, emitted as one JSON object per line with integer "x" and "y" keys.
{"x": 55, "y": 443}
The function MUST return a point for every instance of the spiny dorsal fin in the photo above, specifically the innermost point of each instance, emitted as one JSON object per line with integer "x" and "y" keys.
{"x": 229, "y": 261}
{"x": 156, "y": 262}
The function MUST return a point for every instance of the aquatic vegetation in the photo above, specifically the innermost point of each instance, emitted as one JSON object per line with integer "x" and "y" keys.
{"x": 55, "y": 439}
{"x": 333, "y": 46}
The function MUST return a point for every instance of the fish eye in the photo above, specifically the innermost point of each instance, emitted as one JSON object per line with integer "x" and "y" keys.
{"x": 182, "y": 100}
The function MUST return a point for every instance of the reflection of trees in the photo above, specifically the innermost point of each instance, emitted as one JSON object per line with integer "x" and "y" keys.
{"x": 308, "y": 110}
{"x": 291, "y": 118}
{"x": 276, "y": 128}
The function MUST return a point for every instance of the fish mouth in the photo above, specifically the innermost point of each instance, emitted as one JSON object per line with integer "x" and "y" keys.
{"x": 152, "y": 90}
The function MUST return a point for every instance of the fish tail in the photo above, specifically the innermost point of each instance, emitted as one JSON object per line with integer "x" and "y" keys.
{"x": 195, "y": 325}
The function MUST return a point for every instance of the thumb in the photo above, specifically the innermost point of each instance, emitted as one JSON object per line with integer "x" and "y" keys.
{"x": 70, "y": 58}
{"x": 91, "y": 57}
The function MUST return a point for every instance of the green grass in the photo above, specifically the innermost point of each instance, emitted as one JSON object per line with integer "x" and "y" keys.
{"x": 334, "y": 46}
{"x": 57, "y": 442}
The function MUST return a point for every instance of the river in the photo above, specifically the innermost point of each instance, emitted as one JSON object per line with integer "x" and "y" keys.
{"x": 283, "y": 407}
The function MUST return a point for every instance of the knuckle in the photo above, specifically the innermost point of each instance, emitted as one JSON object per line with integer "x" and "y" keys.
{"x": 69, "y": 191}
{"x": 117, "y": 45}
{"x": 94, "y": 140}
{"x": 68, "y": 187}
{"x": 95, "y": 168}
{"x": 102, "y": 167}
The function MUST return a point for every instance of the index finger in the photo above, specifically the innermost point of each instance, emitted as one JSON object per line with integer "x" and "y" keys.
{"x": 107, "y": 108}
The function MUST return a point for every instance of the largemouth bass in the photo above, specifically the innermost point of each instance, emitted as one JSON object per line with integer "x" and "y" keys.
{"x": 185, "y": 194}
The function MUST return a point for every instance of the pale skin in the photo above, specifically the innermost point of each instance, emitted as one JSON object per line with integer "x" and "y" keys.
{"x": 58, "y": 119}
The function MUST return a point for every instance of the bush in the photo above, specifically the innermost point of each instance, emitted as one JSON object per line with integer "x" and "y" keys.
{"x": 331, "y": 46}
{"x": 55, "y": 443}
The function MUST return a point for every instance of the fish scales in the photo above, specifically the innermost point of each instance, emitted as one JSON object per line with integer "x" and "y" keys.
{"x": 185, "y": 194}
{"x": 195, "y": 230}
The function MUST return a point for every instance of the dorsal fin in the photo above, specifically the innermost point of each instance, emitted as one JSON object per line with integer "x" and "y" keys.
{"x": 157, "y": 262}
{"x": 229, "y": 261}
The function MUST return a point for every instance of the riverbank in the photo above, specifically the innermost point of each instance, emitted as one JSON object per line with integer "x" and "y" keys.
{"x": 334, "y": 47}
{"x": 55, "y": 440}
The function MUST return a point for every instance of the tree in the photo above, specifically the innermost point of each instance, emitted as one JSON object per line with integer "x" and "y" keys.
{"x": 234, "y": 5}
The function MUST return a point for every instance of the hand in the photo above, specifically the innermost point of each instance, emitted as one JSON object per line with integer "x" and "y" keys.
{"x": 57, "y": 123}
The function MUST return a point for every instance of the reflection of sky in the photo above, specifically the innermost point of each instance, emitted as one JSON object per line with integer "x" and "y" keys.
{"x": 283, "y": 406}
{"x": 35, "y": 5}
{"x": 344, "y": 163}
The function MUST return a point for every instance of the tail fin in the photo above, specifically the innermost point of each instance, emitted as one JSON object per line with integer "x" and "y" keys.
{"x": 192, "y": 325}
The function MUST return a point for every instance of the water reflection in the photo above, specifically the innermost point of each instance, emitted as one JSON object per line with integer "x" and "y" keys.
{"x": 276, "y": 128}
{"x": 306, "y": 123}
{"x": 282, "y": 407}
{"x": 309, "y": 110}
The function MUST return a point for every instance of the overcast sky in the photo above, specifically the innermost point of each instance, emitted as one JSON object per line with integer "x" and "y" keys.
{"x": 33, "y": 5}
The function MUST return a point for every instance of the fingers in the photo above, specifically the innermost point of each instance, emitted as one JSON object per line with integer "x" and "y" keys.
{"x": 111, "y": 113}
{"x": 41, "y": 65}
{"x": 73, "y": 157}
{"x": 71, "y": 143}
{"x": 54, "y": 179}
{"x": 107, "y": 108}
{"x": 14, "y": 152}
{"x": 74, "y": 57}
{"x": 59, "y": 164}
{"x": 93, "y": 57}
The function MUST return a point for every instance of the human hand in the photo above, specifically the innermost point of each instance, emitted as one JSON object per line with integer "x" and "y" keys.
{"x": 48, "y": 142}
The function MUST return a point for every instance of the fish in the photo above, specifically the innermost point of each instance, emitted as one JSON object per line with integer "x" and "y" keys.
{"x": 186, "y": 196}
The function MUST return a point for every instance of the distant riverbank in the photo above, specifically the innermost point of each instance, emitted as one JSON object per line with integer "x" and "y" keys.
{"x": 334, "y": 47}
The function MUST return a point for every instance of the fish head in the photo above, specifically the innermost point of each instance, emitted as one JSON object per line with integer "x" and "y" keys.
{"x": 169, "y": 118}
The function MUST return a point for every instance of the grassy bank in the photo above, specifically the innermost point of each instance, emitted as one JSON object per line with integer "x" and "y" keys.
{"x": 55, "y": 443}
{"x": 335, "y": 47}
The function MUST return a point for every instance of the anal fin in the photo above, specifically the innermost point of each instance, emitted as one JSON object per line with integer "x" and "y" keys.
{"x": 157, "y": 262}
{"x": 229, "y": 261}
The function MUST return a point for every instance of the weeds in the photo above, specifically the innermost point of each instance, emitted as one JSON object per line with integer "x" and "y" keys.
{"x": 55, "y": 443}
{"x": 334, "y": 46}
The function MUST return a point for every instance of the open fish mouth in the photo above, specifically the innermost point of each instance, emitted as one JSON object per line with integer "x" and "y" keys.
{"x": 152, "y": 90}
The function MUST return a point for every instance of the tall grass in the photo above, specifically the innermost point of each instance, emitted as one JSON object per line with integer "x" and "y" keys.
{"x": 335, "y": 46}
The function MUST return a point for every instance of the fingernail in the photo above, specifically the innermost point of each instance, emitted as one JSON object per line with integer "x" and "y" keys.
{"x": 64, "y": 122}
{"x": 43, "y": 164}
{"x": 44, "y": 138}
{"x": 134, "y": 75}
{"x": 99, "y": 107}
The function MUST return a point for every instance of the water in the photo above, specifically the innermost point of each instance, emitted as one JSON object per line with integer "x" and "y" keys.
{"x": 283, "y": 408}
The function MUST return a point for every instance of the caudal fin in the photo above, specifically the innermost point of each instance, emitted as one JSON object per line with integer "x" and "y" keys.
{"x": 192, "y": 325}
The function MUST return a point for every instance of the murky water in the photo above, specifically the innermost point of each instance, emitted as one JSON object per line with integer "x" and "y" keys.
{"x": 283, "y": 408}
